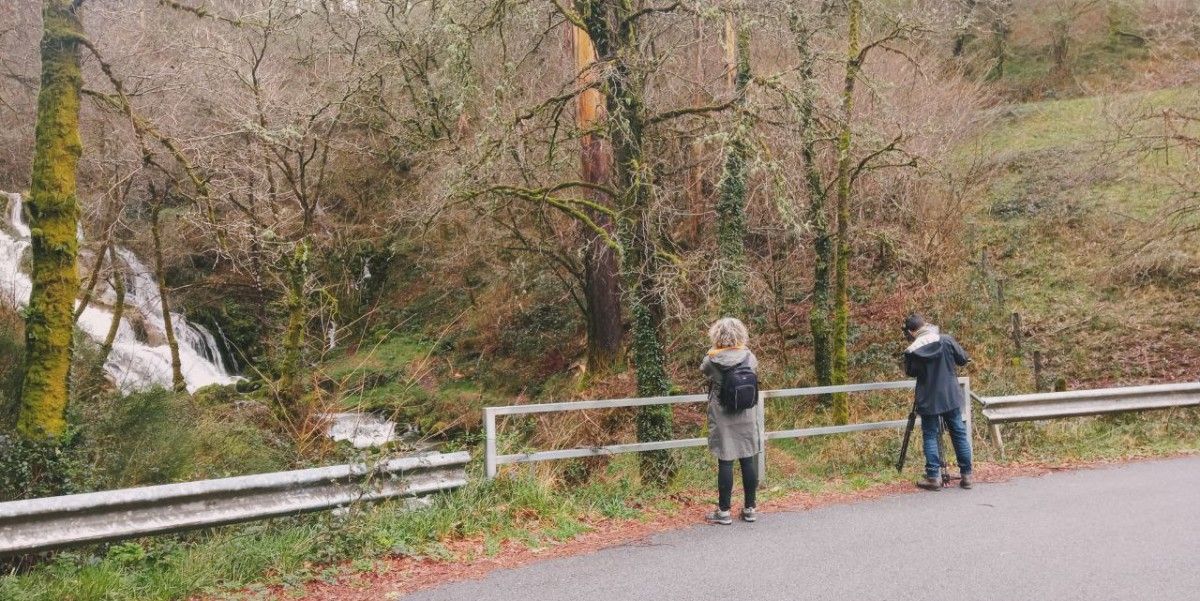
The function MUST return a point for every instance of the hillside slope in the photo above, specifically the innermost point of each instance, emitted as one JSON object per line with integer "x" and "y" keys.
{"x": 1088, "y": 223}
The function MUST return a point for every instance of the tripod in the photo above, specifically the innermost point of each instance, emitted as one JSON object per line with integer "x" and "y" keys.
{"x": 908, "y": 429}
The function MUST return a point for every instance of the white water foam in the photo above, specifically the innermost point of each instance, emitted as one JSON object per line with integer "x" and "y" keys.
{"x": 136, "y": 363}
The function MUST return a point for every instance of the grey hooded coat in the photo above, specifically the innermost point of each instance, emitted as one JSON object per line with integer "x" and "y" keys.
{"x": 730, "y": 435}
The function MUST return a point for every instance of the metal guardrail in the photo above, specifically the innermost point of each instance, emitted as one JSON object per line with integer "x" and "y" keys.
{"x": 55, "y": 522}
{"x": 494, "y": 460}
{"x": 1075, "y": 403}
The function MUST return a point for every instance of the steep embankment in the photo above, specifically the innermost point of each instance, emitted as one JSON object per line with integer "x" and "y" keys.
{"x": 1085, "y": 226}
{"x": 1080, "y": 227}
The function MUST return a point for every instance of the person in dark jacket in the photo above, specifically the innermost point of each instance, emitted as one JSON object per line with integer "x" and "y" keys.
{"x": 933, "y": 359}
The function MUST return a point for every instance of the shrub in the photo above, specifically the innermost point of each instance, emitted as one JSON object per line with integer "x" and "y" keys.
{"x": 158, "y": 436}
{"x": 12, "y": 354}
{"x": 31, "y": 469}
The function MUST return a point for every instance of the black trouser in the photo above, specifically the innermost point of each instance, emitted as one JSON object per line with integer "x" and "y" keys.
{"x": 725, "y": 480}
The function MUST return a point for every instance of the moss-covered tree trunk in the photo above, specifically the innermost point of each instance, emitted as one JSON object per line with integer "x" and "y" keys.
{"x": 602, "y": 285}
{"x": 820, "y": 316}
{"x": 54, "y": 216}
{"x": 613, "y": 30}
{"x": 296, "y": 304}
{"x": 731, "y": 204}
{"x": 177, "y": 382}
{"x": 841, "y": 329}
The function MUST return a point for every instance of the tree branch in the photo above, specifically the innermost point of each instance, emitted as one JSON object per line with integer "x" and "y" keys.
{"x": 200, "y": 12}
{"x": 575, "y": 18}
{"x": 892, "y": 147}
{"x": 568, "y": 206}
{"x": 649, "y": 10}
{"x": 695, "y": 110}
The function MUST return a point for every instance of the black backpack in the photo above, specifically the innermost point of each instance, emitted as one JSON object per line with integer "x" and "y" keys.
{"x": 739, "y": 388}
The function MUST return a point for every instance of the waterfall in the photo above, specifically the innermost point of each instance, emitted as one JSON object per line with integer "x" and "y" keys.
{"x": 233, "y": 365}
{"x": 140, "y": 356}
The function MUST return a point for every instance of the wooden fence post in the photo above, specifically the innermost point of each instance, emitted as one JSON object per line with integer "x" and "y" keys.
{"x": 1037, "y": 371}
{"x": 1016, "y": 331}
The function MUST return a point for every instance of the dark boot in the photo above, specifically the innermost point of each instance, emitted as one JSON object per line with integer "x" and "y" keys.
{"x": 966, "y": 482}
{"x": 927, "y": 483}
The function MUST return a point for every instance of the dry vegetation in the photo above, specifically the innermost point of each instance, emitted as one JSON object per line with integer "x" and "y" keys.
{"x": 408, "y": 175}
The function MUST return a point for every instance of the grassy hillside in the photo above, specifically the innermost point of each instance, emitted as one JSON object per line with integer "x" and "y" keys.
{"x": 1081, "y": 221}
{"x": 1078, "y": 221}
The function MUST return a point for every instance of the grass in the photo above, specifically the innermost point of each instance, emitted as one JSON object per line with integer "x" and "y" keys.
{"x": 289, "y": 552}
{"x": 405, "y": 378}
{"x": 1075, "y": 223}
{"x": 1064, "y": 197}
{"x": 527, "y": 508}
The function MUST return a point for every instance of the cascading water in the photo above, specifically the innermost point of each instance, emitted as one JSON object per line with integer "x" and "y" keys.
{"x": 137, "y": 361}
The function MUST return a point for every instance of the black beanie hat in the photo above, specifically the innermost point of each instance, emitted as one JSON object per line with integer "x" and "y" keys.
{"x": 914, "y": 322}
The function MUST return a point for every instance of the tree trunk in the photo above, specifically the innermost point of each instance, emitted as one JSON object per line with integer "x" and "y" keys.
{"x": 1060, "y": 48}
{"x": 109, "y": 222}
{"x": 54, "y": 217}
{"x": 694, "y": 181}
{"x": 841, "y": 330}
{"x": 964, "y": 35}
{"x": 601, "y": 277}
{"x": 290, "y": 386}
{"x": 820, "y": 317}
{"x": 1000, "y": 32}
{"x": 615, "y": 37}
{"x": 90, "y": 289}
{"x": 118, "y": 312}
{"x": 731, "y": 205}
{"x": 178, "y": 384}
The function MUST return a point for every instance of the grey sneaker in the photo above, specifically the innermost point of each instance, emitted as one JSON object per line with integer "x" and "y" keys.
{"x": 723, "y": 518}
{"x": 749, "y": 514}
{"x": 927, "y": 483}
{"x": 966, "y": 482}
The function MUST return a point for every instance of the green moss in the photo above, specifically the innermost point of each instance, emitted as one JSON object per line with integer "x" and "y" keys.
{"x": 291, "y": 381}
{"x": 54, "y": 217}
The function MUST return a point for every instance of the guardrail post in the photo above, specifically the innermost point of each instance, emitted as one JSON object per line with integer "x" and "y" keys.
{"x": 489, "y": 425}
{"x": 762, "y": 438}
{"x": 997, "y": 440}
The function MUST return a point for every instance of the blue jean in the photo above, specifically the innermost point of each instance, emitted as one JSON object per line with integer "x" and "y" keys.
{"x": 958, "y": 438}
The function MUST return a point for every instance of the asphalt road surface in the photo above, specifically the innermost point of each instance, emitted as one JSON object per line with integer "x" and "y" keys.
{"x": 1126, "y": 532}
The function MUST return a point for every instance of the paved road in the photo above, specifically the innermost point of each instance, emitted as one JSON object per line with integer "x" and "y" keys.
{"x": 1123, "y": 533}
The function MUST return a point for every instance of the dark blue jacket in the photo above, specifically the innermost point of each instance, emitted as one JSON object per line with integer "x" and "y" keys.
{"x": 935, "y": 366}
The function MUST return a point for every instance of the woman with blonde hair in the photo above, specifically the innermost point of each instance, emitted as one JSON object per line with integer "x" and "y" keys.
{"x": 733, "y": 432}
